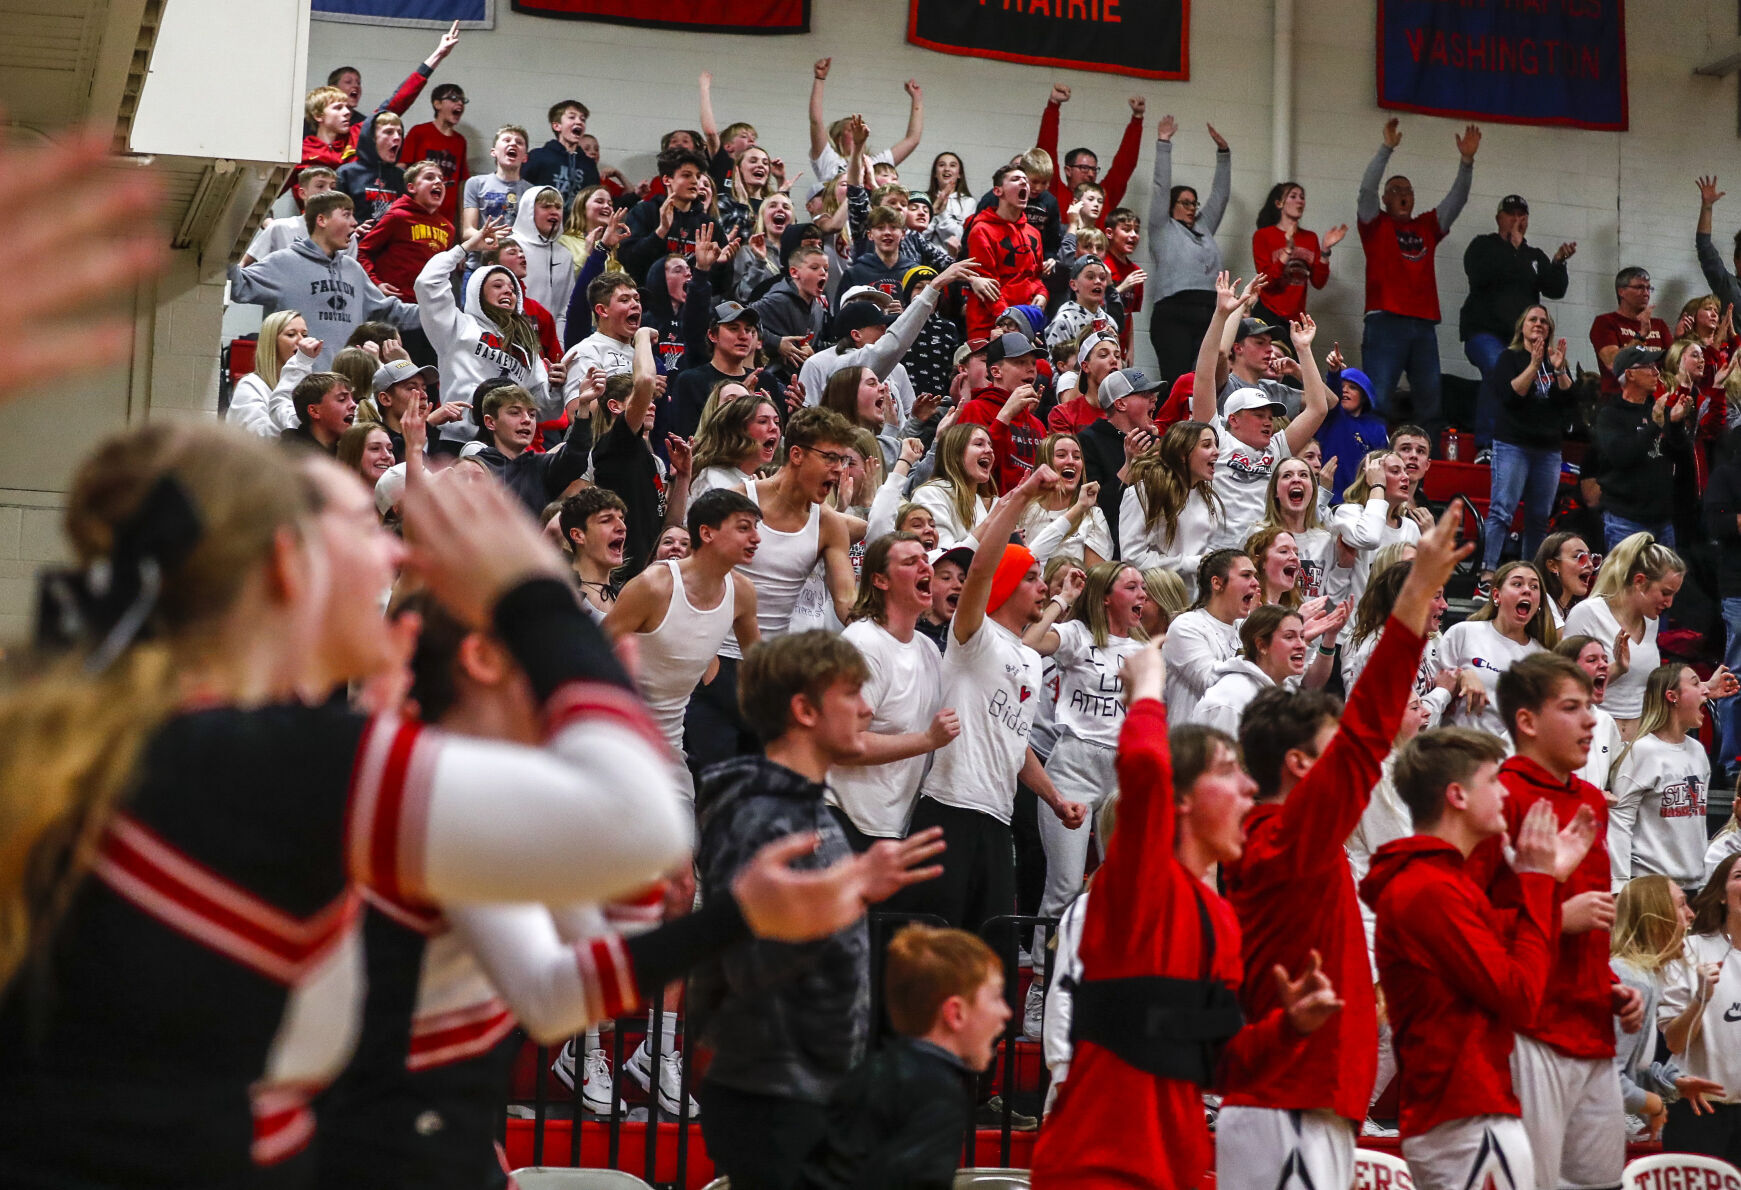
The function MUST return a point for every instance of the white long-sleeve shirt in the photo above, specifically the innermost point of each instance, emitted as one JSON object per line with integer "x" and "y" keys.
{"x": 1656, "y": 825}
{"x": 1366, "y": 529}
{"x": 1237, "y": 682}
{"x": 1196, "y": 645}
{"x": 1048, "y": 534}
{"x": 939, "y": 498}
{"x": 269, "y": 412}
{"x": 1714, "y": 1051}
{"x": 1385, "y": 819}
{"x": 1055, "y": 1044}
{"x": 1147, "y": 548}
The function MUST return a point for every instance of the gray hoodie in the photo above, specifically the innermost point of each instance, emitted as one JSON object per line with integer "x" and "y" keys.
{"x": 332, "y": 293}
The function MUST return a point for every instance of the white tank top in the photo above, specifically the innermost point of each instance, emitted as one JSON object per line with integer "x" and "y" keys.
{"x": 676, "y": 654}
{"x": 778, "y": 571}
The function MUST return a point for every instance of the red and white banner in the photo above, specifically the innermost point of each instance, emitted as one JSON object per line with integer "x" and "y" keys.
{"x": 1144, "y": 38}
{"x": 693, "y": 16}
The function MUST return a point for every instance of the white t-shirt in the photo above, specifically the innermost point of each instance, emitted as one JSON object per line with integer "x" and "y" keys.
{"x": 829, "y": 162}
{"x": 710, "y": 478}
{"x": 598, "y": 350}
{"x": 1624, "y": 697}
{"x": 1089, "y": 686}
{"x": 1048, "y": 534}
{"x": 1605, "y": 745}
{"x": 993, "y": 681}
{"x": 1196, "y": 645}
{"x": 1478, "y": 645}
{"x": 1242, "y": 481}
{"x": 904, "y": 692}
{"x": 1317, "y": 556}
{"x": 1714, "y": 1051}
{"x": 1656, "y": 825}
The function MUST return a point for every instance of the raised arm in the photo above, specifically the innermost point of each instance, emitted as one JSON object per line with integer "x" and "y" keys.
{"x": 1221, "y": 188}
{"x": 903, "y": 148}
{"x": 1204, "y": 388}
{"x": 1367, "y": 207}
{"x": 997, "y": 527}
{"x": 818, "y": 123}
{"x": 709, "y": 126}
{"x": 1116, "y": 180}
{"x": 1315, "y": 406}
{"x": 1161, "y": 186}
{"x": 1452, "y": 204}
{"x": 1048, "y": 140}
{"x": 646, "y": 374}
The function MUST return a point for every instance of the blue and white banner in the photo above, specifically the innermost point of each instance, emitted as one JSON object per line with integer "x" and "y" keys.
{"x": 1560, "y": 62}
{"x": 413, "y": 14}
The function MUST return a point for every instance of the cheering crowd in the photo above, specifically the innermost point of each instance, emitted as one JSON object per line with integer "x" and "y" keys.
{"x": 605, "y": 584}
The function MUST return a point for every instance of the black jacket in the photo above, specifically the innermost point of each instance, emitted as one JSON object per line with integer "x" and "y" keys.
{"x": 537, "y": 479}
{"x": 644, "y": 245}
{"x": 1503, "y": 283}
{"x": 897, "y": 1120}
{"x": 1538, "y": 419}
{"x": 1722, "y": 507}
{"x": 553, "y": 165}
{"x": 1638, "y": 461}
{"x": 373, "y": 184}
{"x": 784, "y": 1019}
{"x": 1102, "y": 458}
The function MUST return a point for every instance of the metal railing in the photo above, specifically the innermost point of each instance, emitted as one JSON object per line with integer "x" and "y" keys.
{"x": 547, "y": 1105}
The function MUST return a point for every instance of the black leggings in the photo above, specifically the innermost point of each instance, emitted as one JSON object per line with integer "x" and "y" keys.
{"x": 1715, "y": 1135}
{"x": 713, "y": 726}
{"x": 1177, "y": 325}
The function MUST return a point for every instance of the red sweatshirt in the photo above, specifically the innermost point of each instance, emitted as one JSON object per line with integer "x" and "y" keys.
{"x": 1399, "y": 265}
{"x": 1290, "y": 268}
{"x": 1577, "y": 1014}
{"x": 317, "y": 152}
{"x": 1010, "y": 254}
{"x": 426, "y": 142}
{"x": 401, "y": 243}
{"x": 1116, "y": 178}
{"x": 1459, "y": 976}
{"x": 1294, "y": 893}
{"x": 1144, "y": 919}
{"x": 1016, "y": 443}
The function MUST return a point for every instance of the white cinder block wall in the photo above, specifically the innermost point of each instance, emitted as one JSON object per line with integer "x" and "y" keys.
{"x": 1624, "y": 197}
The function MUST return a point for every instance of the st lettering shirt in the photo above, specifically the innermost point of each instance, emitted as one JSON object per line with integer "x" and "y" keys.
{"x": 992, "y": 680}
{"x": 1657, "y": 824}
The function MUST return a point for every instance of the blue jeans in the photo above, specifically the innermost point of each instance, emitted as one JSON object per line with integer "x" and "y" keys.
{"x": 1394, "y": 344}
{"x": 1529, "y": 473}
{"x": 1617, "y": 529}
{"x": 1482, "y": 350}
{"x": 1728, "y": 710}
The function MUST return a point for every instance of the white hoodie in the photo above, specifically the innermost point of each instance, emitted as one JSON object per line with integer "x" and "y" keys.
{"x": 550, "y": 267}
{"x": 1237, "y": 682}
{"x": 269, "y": 412}
{"x": 469, "y": 346}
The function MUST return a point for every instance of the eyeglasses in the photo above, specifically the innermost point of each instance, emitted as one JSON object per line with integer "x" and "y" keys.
{"x": 832, "y": 457}
{"x": 1087, "y": 169}
{"x": 1190, "y": 204}
{"x": 1644, "y": 285}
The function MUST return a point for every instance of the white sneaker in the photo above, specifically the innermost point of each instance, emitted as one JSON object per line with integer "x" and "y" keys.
{"x": 640, "y": 1068}
{"x": 1374, "y": 1128}
{"x": 1034, "y": 1012}
{"x": 596, "y": 1086}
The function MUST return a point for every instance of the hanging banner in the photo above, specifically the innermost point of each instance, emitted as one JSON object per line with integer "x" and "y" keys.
{"x": 691, "y": 16}
{"x": 1529, "y": 62}
{"x": 1145, "y": 38}
{"x": 414, "y": 14}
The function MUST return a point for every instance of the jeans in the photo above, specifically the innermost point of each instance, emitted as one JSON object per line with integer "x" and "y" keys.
{"x": 1532, "y": 473}
{"x": 1483, "y": 350}
{"x": 1394, "y": 344}
{"x": 1728, "y": 710}
{"x": 1617, "y": 529}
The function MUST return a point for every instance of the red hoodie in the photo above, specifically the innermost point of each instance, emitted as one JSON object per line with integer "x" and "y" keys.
{"x": 1145, "y": 918}
{"x": 1016, "y": 443}
{"x": 1294, "y": 893}
{"x": 1010, "y": 254}
{"x": 1456, "y": 984}
{"x": 401, "y": 243}
{"x": 1577, "y": 1015}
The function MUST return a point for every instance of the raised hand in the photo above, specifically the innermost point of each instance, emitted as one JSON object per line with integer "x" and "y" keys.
{"x": 1220, "y": 141}
{"x": 1334, "y": 361}
{"x": 1248, "y": 295}
{"x": 1060, "y": 94}
{"x": 1333, "y": 237}
{"x": 667, "y": 214}
{"x": 1071, "y": 586}
{"x": 820, "y": 70}
{"x": 1722, "y": 683}
{"x": 1393, "y": 132}
{"x": 1138, "y": 106}
{"x": 1469, "y": 141}
{"x": 1302, "y": 331}
{"x": 799, "y": 905}
{"x": 1709, "y": 195}
{"x": 682, "y": 456}
{"x": 706, "y": 250}
{"x": 1089, "y": 495}
{"x": 912, "y": 449}
{"x": 914, "y": 91}
{"x": 1310, "y": 1000}
{"x": 444, "y": 47}
{"x": 308, "y": 346}
{"x": 1227, "y": 296}
{"x": 1166, "y": 128}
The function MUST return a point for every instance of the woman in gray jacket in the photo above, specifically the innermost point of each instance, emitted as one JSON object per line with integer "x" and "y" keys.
{"x": 1186, "y": 256}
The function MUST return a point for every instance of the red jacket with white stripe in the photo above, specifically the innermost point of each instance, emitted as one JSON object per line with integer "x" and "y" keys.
{"x": 1577, "y": 1013}
{"x": 1460, "y": 977}
{"x": 1294, "y": 894}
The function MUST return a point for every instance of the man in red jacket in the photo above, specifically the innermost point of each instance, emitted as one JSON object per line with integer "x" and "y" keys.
{"x": 411, "y": 231}
{"x": 1008, "y": 250}
{"x": 1563, "y": 1066}
{"x": 1155, "y": 1017}
{"x": 1005, "y": 407}
{"x": 1081, "y": 165}
{"x": 1459, "y": 975}
{"x": 1315, "y": 764}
